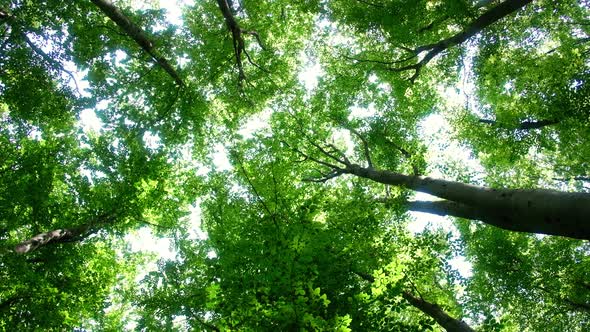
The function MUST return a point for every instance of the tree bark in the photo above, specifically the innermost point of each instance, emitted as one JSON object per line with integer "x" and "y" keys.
{"x": 525, "y": 125}
{"x": 453, "y": 209}
{"x": 54, "y": 236}
{"x": 63, "y": 235}
{"x": 431, "y": 309}
{"x": 137, "y": 34}
{"x": 440, "y": 316}
{"x": 525, "y": 210}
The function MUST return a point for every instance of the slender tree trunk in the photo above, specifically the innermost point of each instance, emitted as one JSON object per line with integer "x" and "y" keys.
{"x": 431, "y": 309}
{"x": 525, "y": 125}
{"x": 526, "y": 210}
{"x": 440, "y": 316}
{"x": 135, "y": 32}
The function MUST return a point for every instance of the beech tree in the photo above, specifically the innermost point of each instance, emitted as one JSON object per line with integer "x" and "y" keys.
{"x": 534, "y": 210}
{"x": 273, "y": 156}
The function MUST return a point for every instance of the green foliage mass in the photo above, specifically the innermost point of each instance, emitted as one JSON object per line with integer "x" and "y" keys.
{"x": 279, "y": 238}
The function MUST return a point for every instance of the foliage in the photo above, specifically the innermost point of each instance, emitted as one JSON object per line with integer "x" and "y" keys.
{"x": 272, "y": 240}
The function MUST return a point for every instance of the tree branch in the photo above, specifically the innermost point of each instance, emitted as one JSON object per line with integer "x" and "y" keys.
{"x": 488, "y": 18}
{"x": 431, "y": 309}
{"x": 239, "y": 43}
{"x": 525, "y": 125}
{"x": 365, "y": 146}
{"x": 138, "y": 35}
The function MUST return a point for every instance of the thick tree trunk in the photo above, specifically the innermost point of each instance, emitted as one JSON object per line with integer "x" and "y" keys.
{"x": 135, "y": 32}
{"x": 526, "y": 210}
{"x": 431, "y": 309}
{"x": 454, "y": 209}
{"x": 525, "y": 125}
{"x": 440, "y": 316}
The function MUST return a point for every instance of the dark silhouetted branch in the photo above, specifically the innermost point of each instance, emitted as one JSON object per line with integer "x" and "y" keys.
{"x": 138, "y": 35}
{"x": 431, "y": 309}
{"x": 238, "y": 33}
{"x": 488, "y": 18}
{"x": 437, "y": 313}
{"x": 525, "y": 125}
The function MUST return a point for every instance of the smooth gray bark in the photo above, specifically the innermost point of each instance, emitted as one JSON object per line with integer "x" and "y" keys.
{"x": 525, "y": 210}
{"x": 54, "y": 236}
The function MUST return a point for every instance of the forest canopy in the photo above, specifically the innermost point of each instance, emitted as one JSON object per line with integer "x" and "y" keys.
{"x": 339, "y": 165}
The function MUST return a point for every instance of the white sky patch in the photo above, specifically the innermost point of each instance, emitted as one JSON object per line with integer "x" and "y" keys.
{"x": 220, "y": 159}
{"x": 309, "y": 76}
{"x": 343, "y": 135}
{"x": 144, "y": 240}
{"x": 89, "y": 121}
{"x": 151, "y": 141}
{"x": 362, "y": 112}
{"x": 195, "y": 232}
{"x": 464, "y": 267}
{"x": 174, "y": 9}
{"x": 257, "y": 123}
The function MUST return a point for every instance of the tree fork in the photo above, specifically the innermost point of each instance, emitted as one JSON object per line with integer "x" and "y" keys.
{"x": 541, "y": 211}
{"x": 488, "y": 18}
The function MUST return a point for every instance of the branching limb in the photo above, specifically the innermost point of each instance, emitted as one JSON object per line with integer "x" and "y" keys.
{"x": 5, "y": 16}
{"x": 325, "y": 177}
{"x": 238, "y": 38}
{"x": 488, "y": 18}
{"x": 52, "y": 62}
{"x": 138, "y": 35}
{"x": 334, "y": 169}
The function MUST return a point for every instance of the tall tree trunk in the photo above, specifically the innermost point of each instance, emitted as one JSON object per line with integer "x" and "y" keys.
{"x": 431, "y": 309}
{"x": 454, "y": 209}
{"x": 526, "y": 210}
{"x": 135, "y": 32}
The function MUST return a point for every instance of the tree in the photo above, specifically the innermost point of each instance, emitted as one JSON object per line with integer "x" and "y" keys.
{"x": 293, "y": 91}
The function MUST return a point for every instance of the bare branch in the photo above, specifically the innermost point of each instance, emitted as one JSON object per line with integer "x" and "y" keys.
{"x": 325, "y": 177}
